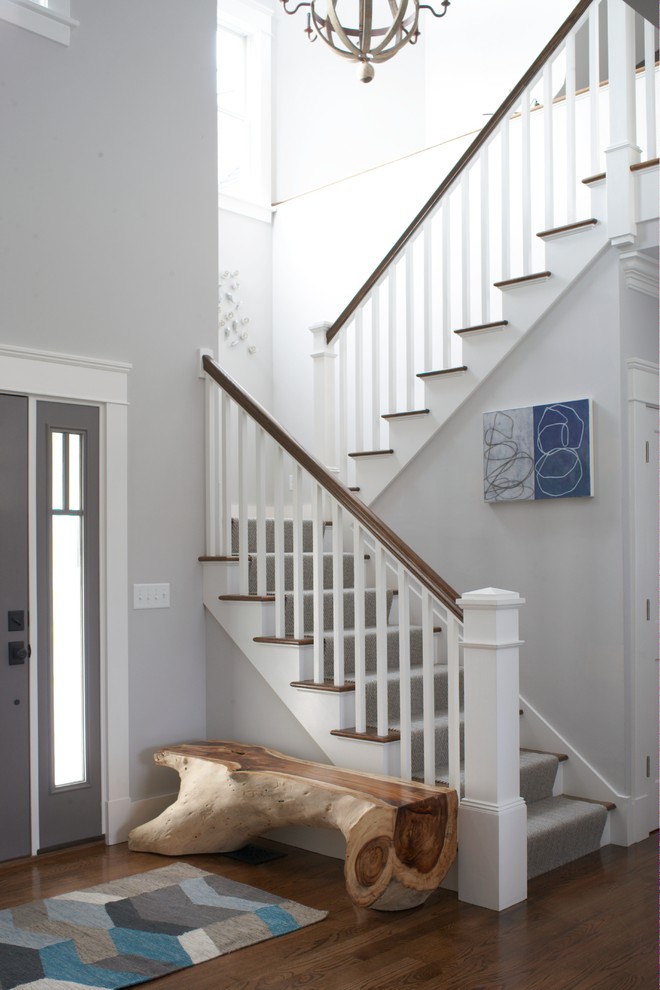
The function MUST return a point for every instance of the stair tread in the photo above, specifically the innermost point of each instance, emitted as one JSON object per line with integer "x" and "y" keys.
{"x": 459, "y": 369}
{"x": 370, "y": 453}
{"x": 497, "y": 325}
{"x": 521, "y": 279}
{"x": 568, "y": 228}
{"x": 410, "y": 412}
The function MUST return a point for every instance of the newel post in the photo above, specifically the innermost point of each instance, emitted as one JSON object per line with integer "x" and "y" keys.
{"x": 325, "y": 440}
{"x": 492, "y": 825}
{"x": 623, "y": 150}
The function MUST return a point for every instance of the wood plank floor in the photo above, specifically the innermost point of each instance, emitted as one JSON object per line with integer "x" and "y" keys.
{"x": 591, "y": 925}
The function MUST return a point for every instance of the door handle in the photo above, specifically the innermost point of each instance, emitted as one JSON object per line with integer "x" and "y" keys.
{"x": 18, "y": 652}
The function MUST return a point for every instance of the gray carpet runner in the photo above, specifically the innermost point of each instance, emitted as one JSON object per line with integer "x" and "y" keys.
{"x": 559, "y": 829}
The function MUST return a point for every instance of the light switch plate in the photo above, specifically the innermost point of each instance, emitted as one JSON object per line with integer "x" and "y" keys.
{"x": 151, "y": 596}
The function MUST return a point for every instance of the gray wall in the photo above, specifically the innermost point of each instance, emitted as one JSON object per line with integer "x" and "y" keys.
{"x": 109, "y": 249}
{"x": 565, "y": 557}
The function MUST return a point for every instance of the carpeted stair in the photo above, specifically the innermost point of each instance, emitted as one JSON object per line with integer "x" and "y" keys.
{"x": 559, "y": 829}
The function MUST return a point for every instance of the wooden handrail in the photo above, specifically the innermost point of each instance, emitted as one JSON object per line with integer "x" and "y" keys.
{"x": 364, "y": 515}
{"x": 465, "y": 159}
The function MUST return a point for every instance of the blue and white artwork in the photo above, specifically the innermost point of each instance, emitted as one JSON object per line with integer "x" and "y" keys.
{"x": 538, "y": 452}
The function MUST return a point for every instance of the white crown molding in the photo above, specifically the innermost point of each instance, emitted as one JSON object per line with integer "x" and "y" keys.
{"x": 51, "y": 21}
{"x": 640, "y": 273}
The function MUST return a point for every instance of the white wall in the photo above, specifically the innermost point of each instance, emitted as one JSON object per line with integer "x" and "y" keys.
{"x": 109, "y": 249}
{"x": 245, "y": 245}
{"x": 565, "y": 557}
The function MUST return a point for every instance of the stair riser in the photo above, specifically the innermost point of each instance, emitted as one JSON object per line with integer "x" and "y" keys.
{"x": 416, "y": 696}
{"x": 307, "y": 570}
{"x": 370, "y": 651}
{"x": 328, "y": 615}
{"x": 307, "y": 535}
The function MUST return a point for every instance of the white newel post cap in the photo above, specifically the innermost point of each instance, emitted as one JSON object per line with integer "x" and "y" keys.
{"x": 490, "y": 617}
{"x": 319, "y": 331}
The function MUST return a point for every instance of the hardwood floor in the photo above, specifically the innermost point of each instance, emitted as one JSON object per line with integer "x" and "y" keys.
{"x": 591, "y": 925}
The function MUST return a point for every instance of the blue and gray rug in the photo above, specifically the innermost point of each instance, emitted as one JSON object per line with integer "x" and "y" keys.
{"x": 132, "y": 930}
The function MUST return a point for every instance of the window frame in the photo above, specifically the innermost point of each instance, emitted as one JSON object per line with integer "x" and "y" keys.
{"x": 49, "y": 18}
{"x": 253, "y": 20}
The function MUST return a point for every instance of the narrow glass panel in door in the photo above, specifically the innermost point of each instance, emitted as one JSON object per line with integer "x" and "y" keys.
{"x": 69, "y": 704}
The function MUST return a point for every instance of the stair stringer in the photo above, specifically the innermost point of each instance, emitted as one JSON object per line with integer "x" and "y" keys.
{"x": 281, "y": 664}
{"x": 568, "y": 258}
{"x": 578, "y": 775}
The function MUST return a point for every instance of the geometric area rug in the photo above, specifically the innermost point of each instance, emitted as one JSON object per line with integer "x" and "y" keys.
{"x": 129, "y": 931}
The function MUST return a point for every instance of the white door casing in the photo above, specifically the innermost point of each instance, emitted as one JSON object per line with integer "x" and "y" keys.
{"x": 71, "y": 378}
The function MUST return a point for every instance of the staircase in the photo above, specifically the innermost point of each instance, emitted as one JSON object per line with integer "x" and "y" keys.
{"x": 373, "y": 653}
{"x": 559, "y": 828}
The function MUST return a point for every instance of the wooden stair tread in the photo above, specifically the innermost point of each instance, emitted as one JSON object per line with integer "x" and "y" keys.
{"x": 608, "y": 805}
{"x": 640, "y": 166}
{"x": 284, "y": 640}
{"x": 370, "y": 453}
{"x": 370, "y": 734}
{"x": 400, "y": 415}
{"x": 562, "y": 757}
{"x": 569, "y": 227}
{"x": 593, "y": 178}
{"x": 522, "y": 279}
{"x": 324, "y": 686}
{"x": 246, "y": 598}
{"x": 499, "y": 324}
{"x": 226, "y": 560}
{"x": 444, "y": 371}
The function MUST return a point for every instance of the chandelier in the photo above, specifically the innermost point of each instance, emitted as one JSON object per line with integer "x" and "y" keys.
{"x": 375, "y": 29}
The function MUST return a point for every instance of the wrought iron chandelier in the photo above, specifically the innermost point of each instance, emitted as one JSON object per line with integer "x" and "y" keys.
{"x": 376, "y": 31}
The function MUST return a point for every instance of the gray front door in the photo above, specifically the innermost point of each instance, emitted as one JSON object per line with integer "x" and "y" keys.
{"x": 14, "y": 658}
{"x": 68, "y": 597}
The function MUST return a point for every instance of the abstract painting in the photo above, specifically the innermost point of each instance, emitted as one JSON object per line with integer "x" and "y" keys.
{"x": 538, "y": 452}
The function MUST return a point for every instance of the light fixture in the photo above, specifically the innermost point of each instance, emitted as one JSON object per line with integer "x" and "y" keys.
{"x": 375, "y": 29}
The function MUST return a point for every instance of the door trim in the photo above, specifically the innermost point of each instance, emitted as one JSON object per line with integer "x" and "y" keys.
{"x": 71, "y": 378}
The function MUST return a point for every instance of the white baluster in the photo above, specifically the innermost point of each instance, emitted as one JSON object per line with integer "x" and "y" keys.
{"x": 243, "y": 547}
{"x": 317, "y": 564}
{"x": 278, "y": 544}
{"x": 571, "y": 178}
{"x": 410, "y": 328}
{"x": 225, "y": 474}
{"x": 549, "y": 151}
{"x": 485, "y": 235}
{"x": 260, "y": 467}
{"x": 526, "y": 185}
{"x": 428, "y": 296}
{"x": 391, "y": 339}
{"x": 404, "y": 672}
{"x": 428, "y": 679}
{"x": 343, "y": 402}
{"x": 213, "y": 528}
{"x": 594, "y": 85}
{"x": 358, "y": 383}
{"x": 447, "y": 329}
{"x": 358, "y": 582}
{"x": 649, "y": 84}
{"x": 376, "y": 410}
{"x": 298, "y": 619}
{"x": 466, "y": 268}
{"x": 453, "y": 701}
{"x": 506, "y": 200}
{"x": 338, "y": 594}
{"x": 381, "y": 642}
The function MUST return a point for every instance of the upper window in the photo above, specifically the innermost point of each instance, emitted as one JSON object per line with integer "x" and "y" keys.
{"x": 243, "y": 60}
{"x": 49, "y": 18}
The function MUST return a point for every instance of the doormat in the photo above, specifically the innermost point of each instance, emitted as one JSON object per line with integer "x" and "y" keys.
{"x": 135, "y": 929}
{"x": 254, "y": 855}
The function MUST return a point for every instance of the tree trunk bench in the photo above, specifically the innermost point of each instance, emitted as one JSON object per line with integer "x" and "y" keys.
{"x": 400, "y": 836}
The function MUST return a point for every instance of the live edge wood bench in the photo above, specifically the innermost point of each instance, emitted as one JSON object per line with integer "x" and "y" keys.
{"x": 400, "y": 836}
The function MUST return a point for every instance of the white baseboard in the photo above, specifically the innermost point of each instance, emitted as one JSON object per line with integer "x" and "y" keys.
{"x": 122, "y": 815}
